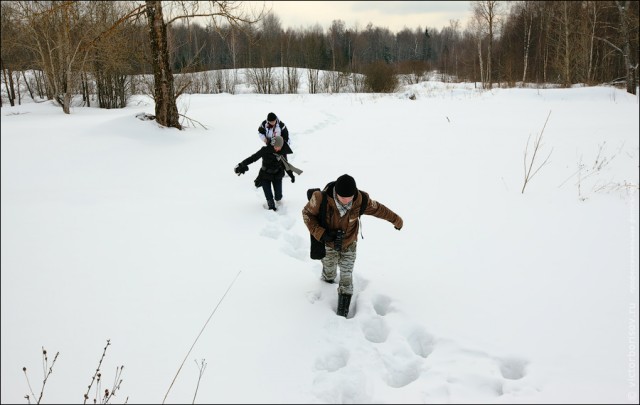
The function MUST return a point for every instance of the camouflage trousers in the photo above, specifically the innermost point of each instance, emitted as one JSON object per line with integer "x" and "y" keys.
{"x": 345, "y": 260}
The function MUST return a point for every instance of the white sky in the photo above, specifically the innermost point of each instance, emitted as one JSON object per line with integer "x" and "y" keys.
{"x": 394, "y": 15}
{"x": 115, "y": 228}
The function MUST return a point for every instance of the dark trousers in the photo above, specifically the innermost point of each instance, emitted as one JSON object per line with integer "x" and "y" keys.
{"x": 277, "y": 190}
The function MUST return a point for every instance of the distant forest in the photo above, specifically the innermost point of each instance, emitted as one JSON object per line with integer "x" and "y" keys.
{"x": 564, "y": 42}
{"x": 77, "y": 46}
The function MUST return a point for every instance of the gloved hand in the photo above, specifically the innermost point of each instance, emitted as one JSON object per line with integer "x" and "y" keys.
{"x": 241, "y": 169}
{"x": 293, "y": 178}
{"x": 398, "y": 223}
{"x": 329, "y": 235}
{"x": 262, "y": 130}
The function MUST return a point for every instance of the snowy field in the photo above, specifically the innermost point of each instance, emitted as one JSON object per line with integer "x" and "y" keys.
{"x": 115, "y": 228}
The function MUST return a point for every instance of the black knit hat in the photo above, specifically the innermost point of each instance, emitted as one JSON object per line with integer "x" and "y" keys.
{"x": 345, "y": 186}
{"x": 271, "y": 117}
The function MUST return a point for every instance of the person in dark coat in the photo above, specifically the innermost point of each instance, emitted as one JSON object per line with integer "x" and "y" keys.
{"x": 272, "y": 127}
{"x": 274, "y": 166}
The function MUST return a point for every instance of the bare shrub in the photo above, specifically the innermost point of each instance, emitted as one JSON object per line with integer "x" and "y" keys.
{"x": 97, "y": 379}
{"x": 413, "y": 71}
{"x": 225, "y": 81}
{"x": 357, "y": 80}
{"x": 380, "y": 78}
{"x": 594, "y": 175}
{"x": 334, "y": 82}
{"x": 100, "y": 396}
{"x": 262, "y": 79}
{"x": 313, "y": 80}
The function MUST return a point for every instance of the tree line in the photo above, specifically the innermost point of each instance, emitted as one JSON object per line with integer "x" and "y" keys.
{"x": 96, "y": 48}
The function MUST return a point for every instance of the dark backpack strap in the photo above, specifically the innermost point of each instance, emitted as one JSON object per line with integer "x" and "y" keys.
{"x": 363, "y": 205}
{"x": 323, "y": 210}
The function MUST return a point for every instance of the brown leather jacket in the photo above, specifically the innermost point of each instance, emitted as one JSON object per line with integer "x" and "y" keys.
{"x": 349, "y": 223}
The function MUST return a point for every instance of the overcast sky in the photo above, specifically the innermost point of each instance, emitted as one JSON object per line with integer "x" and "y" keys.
{"x": 394, "y": 15}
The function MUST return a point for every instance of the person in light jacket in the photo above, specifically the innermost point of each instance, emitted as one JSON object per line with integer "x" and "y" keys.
{"x": 272, "y": 127}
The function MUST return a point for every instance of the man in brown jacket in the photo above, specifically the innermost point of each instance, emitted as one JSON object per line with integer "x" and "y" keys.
{"x": 338, "y": 230}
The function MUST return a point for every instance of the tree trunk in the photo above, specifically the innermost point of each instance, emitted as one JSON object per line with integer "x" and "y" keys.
{"x": 26, "y": 83}
{"x": 67, "y": 97}
{"x": 590, "y": 66}
{"x": 164, "y": 94}
{"x": 482, "y": 80}
{"x": 567, "y": 45}
{"x": 527, "y": 39}
{"x": 490, "y": 54}
{"x": 8, "y": 81}
{"x": 626, "y": 47}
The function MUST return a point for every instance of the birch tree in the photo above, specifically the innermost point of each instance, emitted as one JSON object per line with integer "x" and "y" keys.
{"x": 486, "y": 12}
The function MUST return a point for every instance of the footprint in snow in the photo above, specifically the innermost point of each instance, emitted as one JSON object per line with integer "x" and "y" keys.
{"x": 379, "y": 339}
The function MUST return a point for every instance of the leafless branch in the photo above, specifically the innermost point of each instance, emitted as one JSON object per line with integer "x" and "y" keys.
{"x": 96, "y": 375}
{"x": 192, "y": 120}
{"x": 45, "y": 365}
{"x": 529, "y": 171}
{"x": 201, "y": 366}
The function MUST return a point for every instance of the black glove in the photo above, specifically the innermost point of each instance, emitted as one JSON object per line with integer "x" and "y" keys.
{"x": 328, "y": 236}
{"x": 293, "y": 178}
{"x": 262, "y": 130}
{"x": 241, "y": 169}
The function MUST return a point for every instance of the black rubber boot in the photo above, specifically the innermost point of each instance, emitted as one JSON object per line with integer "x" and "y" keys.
{"x": 344, "y": 300}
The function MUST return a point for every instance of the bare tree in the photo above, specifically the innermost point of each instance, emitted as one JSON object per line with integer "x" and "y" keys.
{"x": 546, "y": 12}
{"x": 8, "y": 48}
{"x": 454, "y": 27}
{"x": 334, "y": 80}
{"x": 7, "y": 76}
{"x": 527, "y": 14}
{"x": 313, "y": 80}
{"x": 628, "y": 25}
{"x": 594, "y": 11}
{"x": 116, "y": 55}
{"x": 486, "y": 12}
{"x": 565, "y": 17}
{"x": 627, "y": 22}
{"x": 477, "y": 31}
{"x": 313, "y": 50}
{"x": 60, "y": 36}
{"x": 165, "y": 95}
